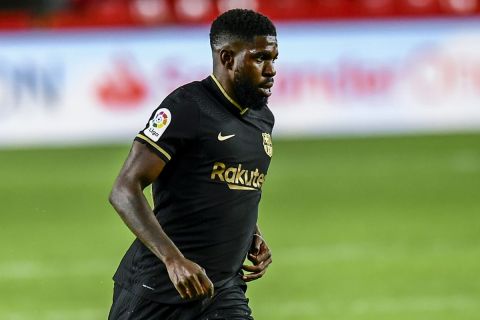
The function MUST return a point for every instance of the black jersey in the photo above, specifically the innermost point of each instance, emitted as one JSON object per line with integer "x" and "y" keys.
{"x": 206, "y": 198}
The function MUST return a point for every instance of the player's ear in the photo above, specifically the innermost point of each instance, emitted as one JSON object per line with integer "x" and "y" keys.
{"x": 226, "y": 57}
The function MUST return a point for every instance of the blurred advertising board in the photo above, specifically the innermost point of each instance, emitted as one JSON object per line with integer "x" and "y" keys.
{"x": 332, "y": 78}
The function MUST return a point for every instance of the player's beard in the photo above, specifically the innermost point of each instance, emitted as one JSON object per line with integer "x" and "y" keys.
{"x": 247, "y": 93}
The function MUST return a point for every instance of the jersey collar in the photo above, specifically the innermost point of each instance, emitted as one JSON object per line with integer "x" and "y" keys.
{"x": 238, "y": 107}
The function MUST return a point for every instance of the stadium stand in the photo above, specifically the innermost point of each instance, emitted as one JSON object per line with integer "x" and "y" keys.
{"x": 144, "y": 13}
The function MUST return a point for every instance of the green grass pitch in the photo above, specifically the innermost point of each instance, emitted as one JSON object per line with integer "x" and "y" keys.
{"x": 371, "y": 228}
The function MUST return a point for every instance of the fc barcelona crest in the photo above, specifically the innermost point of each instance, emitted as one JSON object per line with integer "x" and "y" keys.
{"x": 267, "y": 144}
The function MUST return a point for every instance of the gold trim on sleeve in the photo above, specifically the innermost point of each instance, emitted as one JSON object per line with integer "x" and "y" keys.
{"x": 235, "y": 103}
{"x": 165, "y": 153}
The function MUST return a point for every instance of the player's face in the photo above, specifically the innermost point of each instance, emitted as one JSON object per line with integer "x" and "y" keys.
{"x": 254, "y": 71}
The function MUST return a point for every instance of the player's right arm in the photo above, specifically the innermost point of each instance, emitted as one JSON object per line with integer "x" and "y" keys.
{"x": 140, "y": 169}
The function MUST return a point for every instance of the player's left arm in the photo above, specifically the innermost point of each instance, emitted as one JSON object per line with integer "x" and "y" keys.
{"x": 260, "y": 256}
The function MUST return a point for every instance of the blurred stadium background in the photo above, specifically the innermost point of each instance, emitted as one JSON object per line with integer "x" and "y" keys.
{"x": 372, "y": 205}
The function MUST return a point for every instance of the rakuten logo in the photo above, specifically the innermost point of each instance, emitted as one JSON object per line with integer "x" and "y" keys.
{"x": 238, "y": 178}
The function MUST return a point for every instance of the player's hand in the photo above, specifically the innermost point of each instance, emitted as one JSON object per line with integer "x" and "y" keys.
{"x": 260, "y": 256}
{"x": 189, "y": 278}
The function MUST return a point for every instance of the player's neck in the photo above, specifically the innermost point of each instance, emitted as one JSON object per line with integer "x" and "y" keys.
{"x": 226, "y": 84}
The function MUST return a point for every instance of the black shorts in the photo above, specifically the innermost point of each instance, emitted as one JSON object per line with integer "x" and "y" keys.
{"x": 229, "y": 303}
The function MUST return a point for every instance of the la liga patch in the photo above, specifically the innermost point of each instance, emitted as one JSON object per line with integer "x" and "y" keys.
{"x": 158, "y": 124}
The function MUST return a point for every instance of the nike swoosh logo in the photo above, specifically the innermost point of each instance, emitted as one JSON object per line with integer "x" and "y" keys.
{"x": 223, "y": 138}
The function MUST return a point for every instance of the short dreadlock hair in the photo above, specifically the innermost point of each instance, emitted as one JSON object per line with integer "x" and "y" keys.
{"x": 241, "y": 24}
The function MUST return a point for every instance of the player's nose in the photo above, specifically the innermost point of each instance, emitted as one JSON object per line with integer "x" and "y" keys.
{"x": 269, "y": 70}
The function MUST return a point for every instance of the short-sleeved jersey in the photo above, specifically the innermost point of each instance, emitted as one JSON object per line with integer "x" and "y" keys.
{"x": 206, "y": 199}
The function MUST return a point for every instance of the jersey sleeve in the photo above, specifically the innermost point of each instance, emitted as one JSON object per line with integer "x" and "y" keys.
{"x": 170, "y": 127}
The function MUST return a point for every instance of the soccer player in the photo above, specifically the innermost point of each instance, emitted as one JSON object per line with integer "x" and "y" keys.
{"x": 206, "y": 150}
